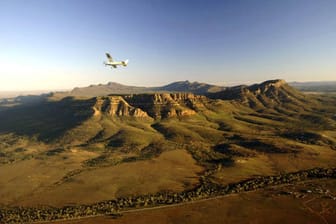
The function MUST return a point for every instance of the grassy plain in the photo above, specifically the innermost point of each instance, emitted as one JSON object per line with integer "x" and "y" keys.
{"x": 305, "y": 202}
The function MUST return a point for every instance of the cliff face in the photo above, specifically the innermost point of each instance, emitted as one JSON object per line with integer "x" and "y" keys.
{"x": 274, "y": 94}
{"x": 164, "y": 105}
{"x": 116, "y": 106}
{"x": 156, "y": 105}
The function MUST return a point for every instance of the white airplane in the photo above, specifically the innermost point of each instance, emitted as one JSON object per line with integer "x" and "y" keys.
{"x": 114, "y": 64}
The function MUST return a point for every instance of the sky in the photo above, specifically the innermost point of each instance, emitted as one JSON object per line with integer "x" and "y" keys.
{"x": 48, "y": 44}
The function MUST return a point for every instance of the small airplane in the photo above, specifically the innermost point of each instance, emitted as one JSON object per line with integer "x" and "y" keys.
{"x": 114, "y": 64}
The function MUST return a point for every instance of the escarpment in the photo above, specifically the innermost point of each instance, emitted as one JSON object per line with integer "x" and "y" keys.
{"x": 116, "y": 106}
{"x": 156, "y": 105}
{"x": 164, "y": 105}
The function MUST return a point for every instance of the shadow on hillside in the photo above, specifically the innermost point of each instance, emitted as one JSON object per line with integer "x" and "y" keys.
{"x": 36, "y": 116}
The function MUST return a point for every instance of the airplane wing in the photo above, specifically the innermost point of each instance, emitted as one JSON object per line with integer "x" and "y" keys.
{"x": 114, "y": 66}
{"x": 109, "y": 57}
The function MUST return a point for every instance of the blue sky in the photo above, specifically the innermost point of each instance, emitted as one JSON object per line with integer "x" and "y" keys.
{"x": 47, "y": 44}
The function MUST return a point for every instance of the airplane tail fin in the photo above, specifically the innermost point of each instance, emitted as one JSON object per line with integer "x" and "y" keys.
{"x": 124, "y": 63}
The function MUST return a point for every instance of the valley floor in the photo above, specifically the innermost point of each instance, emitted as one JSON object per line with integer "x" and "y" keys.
{"x": 306, "y": 202}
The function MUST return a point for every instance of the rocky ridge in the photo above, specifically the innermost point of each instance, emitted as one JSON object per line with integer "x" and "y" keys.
{"x": 273, "y": 94}
{"x": 156, "y": 105}
{"x": 116, "y": 88}
{"x": 269, "y": 94}
{"x": 116, "y": 105}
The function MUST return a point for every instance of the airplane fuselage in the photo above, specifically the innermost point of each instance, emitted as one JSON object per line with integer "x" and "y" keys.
{"x": 114, "y": 64}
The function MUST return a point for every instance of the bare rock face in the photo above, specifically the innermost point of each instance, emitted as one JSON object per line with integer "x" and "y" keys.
{"x": 116, "y": 106}
{"x": 155, "y": 105}
{"x": 165, "y": 105}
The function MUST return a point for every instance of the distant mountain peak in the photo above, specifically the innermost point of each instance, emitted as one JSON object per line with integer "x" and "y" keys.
{"x": 114, "y": 83}
{"x": 117, "y": 88}
{"x": 268, "y": 94}
{"x": 267, "y": 85}
{"x": 275, "y": 83}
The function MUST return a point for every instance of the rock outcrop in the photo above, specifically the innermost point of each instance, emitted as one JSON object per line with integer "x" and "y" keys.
{"x": 164, "y": 105}
{"x": 156, "y": 105}
{"x": 116, "y": 105}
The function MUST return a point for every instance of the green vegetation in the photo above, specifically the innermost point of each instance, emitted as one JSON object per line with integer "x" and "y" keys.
{"x": 181, "y": 145}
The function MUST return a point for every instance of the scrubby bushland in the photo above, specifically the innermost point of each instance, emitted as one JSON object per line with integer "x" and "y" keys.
{"x": 113, "y": 207}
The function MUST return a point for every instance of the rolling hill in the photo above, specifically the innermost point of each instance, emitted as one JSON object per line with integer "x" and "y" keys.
{"x": 143, "y": 141}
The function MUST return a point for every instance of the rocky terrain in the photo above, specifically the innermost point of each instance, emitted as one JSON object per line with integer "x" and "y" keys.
{"x": 62, "y": 147}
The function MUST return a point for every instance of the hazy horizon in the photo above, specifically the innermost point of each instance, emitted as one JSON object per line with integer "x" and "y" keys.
{"x": 53, "y": 45}
{"x": 14, "y": 93}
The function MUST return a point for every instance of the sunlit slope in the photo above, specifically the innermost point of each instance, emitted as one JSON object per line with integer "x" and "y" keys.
{"x": 222, "y": 137}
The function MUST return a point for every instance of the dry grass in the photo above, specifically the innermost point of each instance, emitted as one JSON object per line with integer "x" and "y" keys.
{"x": 20, "y": 182}
{"x": 244, "y": 168}
{"x": 172, "y": 170}
{"x": 263, "y": 206}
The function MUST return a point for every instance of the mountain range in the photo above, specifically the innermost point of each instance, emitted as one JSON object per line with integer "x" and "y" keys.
{"x": 116, "y": 88}
{"x": 184, "y": 86}
{"x": 117, "y": 139}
